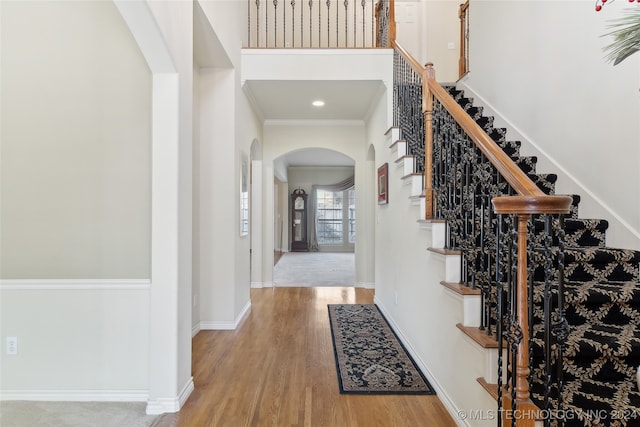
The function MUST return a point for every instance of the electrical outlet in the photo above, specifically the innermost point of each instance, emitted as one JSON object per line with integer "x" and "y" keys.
{"x": 12, "y": 346}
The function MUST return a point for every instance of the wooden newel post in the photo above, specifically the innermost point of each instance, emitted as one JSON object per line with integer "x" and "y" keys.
{"x": 427, "y": 108}
{"x": 522, "y": 207}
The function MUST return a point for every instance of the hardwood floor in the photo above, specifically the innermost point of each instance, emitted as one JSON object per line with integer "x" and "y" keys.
{"x": 278, "y": 369}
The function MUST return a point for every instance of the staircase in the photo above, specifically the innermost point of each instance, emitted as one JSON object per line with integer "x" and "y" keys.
{"x": 601, "y": 352}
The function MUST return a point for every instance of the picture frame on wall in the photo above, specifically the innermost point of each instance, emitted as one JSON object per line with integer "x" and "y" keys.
{"x": 383, "y": 184}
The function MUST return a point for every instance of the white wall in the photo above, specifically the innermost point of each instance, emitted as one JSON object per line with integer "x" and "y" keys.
{"x": 76, "y": 203}
{"x": 426, "y": 29}
{"x": 408, "y": 290}
{"x": 76, "y": 144}
{"x": 555, "y": 92}
{"x": 228, "y": 127}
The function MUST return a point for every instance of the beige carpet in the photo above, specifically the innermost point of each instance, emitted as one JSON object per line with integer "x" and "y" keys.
{"x": 74, "y": 414}
{"x": 306, "y": 269}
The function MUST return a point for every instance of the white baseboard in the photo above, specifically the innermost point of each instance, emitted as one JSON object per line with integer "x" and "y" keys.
{"x": 170, "y": 404}
{"x": 365, "y": 285}
{"x": 76, "y": 395}
{"x": 256, "y": 285}
{"x": 195, "y": 329}
{"x": 215, "y": 325}
{"x": 442, "y": 395}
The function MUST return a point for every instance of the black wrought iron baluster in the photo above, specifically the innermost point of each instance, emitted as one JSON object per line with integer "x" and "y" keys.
{"x": 489, "y": 255}
{"x": 373, "y": 23}
{"x": 258, "y": 23}
{"x": 531, "y": 255}
{"x": 515, "y": 331}
{"x": 363, "y": 3}
{"x": 396, "y": 79}
{"x": 337, "y": 25}
{"x": 561, "y": 326}
{"x": 355, "y": 13}
{"x": 293, "y": 23}
{"x": 319, "y": 24}
{"x": 546, "y": 313}
{"x": 275, "y": 23}
{"x": 466, "y": 247}
{"x": 328, "y": 22}
{"x": 310, "y": 23}
{"x": 500, "y": 310}
{"x": 346, "y": 25}
{"x": 284, "y": 24}
{"x": 301, "y": 25}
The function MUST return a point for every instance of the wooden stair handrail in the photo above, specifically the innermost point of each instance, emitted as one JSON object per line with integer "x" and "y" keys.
{"x": 463, "y": 14}
{"x": 530, "y": 200}
{"x": 515, "y": 176}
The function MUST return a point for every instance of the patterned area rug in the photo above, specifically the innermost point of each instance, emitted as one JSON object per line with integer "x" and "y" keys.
{"x": 369, "y": 357}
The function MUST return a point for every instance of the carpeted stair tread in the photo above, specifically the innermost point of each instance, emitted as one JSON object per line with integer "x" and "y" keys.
{"x": 511, "y": 148}
{"x": 578, "y": 232}
{"x": 485, "y": 122}
{"x": 594, "y": 264}
{"x": 602, "y": 255}
{"x": 598, "y": 351}
{"x": 527, "y": 163}
{"x": 594, "y": 293}
{"x": 597, "y": 341}
{"x": 600, "y": 293}
{"x": 601, "y": 302}
{"x": 545, "y": 181}
{"x": 575, "y": 203}
{"x": 590, "y": 402}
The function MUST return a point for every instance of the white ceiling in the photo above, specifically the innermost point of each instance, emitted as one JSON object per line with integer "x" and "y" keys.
{"x": 291, "y": 101}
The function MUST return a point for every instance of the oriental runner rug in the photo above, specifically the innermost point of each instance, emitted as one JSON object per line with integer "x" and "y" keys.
{"x": 370, "y": 358}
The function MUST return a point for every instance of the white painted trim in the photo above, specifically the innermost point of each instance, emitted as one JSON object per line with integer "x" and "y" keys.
{"x": 243, "y": 314}
{"x": 75, "y": 395}
{"x": 297, "y": 52}
{"x": 440, "y": 392}
{"x": 170, "y": 404}
{"x": 215, "y": 325}
{"x": 74, "y": 284}
{"x": 256, "y": 285}
{"x": 195, "y": 329}
{"x": 268, "y": 284}
{"x": 276, "y": 122}
{"x": 188, "y": 388}
{"x": 365, "y": 285}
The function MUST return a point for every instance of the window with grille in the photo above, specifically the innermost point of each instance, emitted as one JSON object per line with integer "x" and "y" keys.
{"x": 335, "y": 217}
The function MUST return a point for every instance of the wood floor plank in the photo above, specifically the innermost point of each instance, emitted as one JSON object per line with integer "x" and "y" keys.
{"x": 278, "y": 369}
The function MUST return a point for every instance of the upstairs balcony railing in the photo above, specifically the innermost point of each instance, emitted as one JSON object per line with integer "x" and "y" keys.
{"x": 319, "y": 23}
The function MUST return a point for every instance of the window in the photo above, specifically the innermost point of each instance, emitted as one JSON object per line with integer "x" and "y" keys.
{"x": 335, "y": 217}
{"x": 352, "y": 215}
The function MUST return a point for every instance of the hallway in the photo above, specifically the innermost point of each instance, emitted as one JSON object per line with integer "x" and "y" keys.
{"x": 278, "y": 369}
{"x": 305, "y": 269}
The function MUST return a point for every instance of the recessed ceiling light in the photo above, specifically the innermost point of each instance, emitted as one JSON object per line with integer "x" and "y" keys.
{"x": 318, "y": 103}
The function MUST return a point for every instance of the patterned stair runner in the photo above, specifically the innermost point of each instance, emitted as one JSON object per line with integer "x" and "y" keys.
{"x": 602, "y": 303}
